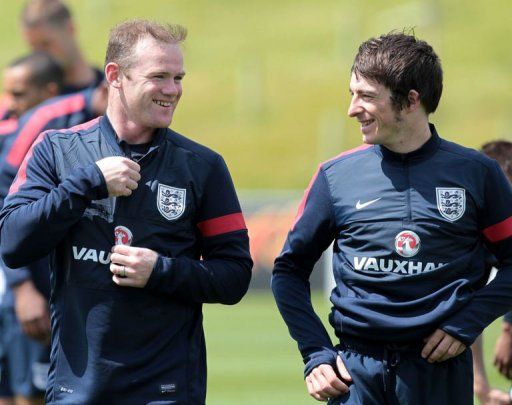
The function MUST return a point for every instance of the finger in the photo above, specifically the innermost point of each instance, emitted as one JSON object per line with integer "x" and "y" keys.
{"x": 440, "y": 350}
{"x": 432, "y": 342}
{"x": 327, "y": 390}
{"x": 124, "y": 250}
{"x": 122, "y": 260}
{"x": 315, "y": 393}
{"x": 132, "y": 184}
{"x": 131, "y": 164}
{"x": 334, "y": 386}
{"x": 134, "y": 175}
{"x": 123, "y": 281}
{"x": 344, "y": 374}
{"x": 453, "y": 350}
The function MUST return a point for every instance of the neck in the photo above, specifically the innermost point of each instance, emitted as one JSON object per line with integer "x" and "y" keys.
{"x": 411, "y": 138}
{"x": 126, "y": 129}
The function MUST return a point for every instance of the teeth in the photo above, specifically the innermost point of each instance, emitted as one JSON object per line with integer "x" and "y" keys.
{"x": 365, "y": 123}
{"x": 163, "y": 103}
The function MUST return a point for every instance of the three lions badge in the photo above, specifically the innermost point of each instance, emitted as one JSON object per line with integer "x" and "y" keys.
{"x": 171, "y": 201}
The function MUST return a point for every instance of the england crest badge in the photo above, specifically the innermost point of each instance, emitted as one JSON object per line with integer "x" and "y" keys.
{"x": 451, "y": 202}
{"x": 171, "y": 201}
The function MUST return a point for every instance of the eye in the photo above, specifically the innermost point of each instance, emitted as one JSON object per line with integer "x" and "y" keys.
{"x": 178, "y": 78}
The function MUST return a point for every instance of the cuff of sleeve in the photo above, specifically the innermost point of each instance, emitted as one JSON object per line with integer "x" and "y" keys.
{"x": 325, "y": 356}
{"x": 159, "y": 273}
{"x": 99, "y": 183}
{"x": 16, "y": 277}
{"x": 466, "y": 338}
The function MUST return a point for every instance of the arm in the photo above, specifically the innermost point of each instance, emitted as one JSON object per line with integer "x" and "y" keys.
{"x": 224, "y": 273}
{"x": 312, "y": 233}
{"x": 494, "y": 299}
{"x": 40, "y": 209}
{"x": 503, "y": 349}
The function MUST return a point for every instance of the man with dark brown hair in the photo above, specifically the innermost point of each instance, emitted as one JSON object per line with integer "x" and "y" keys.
{"x": 143, "y": 226}
{"x": 411, "y": 216}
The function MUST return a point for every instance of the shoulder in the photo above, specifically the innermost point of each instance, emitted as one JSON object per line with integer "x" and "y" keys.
{"x": 348, "y": 156}
{"x": 465, "y": 154}
{"x": 188, "y": 146}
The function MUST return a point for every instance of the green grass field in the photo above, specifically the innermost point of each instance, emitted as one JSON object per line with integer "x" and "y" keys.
{"x": 253, "y": 361}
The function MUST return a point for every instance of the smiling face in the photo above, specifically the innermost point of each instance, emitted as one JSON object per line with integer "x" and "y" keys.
{"x": 150, "y": 88}
{"x": 371, "y": 106}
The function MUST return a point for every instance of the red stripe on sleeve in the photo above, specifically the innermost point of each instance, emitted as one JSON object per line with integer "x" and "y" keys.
{"x": 224, "y": 224}
{"x": 22, "y": 172}
{"x": 37, "y": 122}
{"x": 501, "y": 230}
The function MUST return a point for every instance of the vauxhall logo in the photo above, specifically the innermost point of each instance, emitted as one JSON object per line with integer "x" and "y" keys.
{"x": 96, "y": 256}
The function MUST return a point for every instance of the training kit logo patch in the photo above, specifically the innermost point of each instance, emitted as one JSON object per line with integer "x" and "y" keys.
{"x": 451, "y": 202}
{"x": 122, "y": 236}
{"x": 407, "y": 243}
{"x": 171, "y": 201}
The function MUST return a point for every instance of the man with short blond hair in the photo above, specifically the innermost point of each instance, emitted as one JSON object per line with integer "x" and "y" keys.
{"x": 143, "y": 226}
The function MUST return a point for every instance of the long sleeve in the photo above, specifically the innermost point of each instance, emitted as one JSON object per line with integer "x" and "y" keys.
{"x": 311, "y": 234}
{"x": 224, "y": 273}
{"x": 495, "y": 299}
{"x": 40, "y": 209}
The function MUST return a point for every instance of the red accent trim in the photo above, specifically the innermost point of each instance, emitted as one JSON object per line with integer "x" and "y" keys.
{"x": 220, "y": 225}
{"x": 8, "y": 126}
{"x": 498, "y": 232}
{"x": 302, "y": 204}
{"x": 84, "y": 126}
{"x": 22, "y": 172}
{"x": 37, "y": 122}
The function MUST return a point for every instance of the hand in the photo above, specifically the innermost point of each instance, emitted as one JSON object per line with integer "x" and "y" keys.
{"x": 135, "y": 264}
{"x": 323, "y": 382}
{"x": 31, "y": 309}
{"x": 494, "y": 397}
{"x": 503, "y": 351}
{"x": 121, "y": 175}
{"x": 441, "y": 346}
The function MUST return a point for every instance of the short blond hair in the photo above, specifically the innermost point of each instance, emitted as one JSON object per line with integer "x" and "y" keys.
{"x": 125, "y": 36}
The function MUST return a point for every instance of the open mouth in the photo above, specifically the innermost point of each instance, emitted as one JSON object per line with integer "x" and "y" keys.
{"x": 367, "y": 123}
{"x": 166, "y": 104}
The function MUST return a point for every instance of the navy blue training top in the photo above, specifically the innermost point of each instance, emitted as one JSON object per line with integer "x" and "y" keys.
{"x": 113, "y": 344}
{"x": 410, "y": 235}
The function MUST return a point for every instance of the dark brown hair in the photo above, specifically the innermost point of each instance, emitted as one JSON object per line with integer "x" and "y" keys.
{"x": 402, "y": 63}
{"x": 52, "y": 12}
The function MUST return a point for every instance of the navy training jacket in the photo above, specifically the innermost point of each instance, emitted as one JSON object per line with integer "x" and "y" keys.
{"x": 410, "y": 235}
{"x": 117, "y": 344}
{"x": 56, "y": 113}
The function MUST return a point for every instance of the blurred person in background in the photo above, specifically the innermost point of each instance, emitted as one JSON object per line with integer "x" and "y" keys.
{"x": 501, "y": 151}
{"x": 47, "y": 25}
{"x": 411, "y": 216}
{"x": 143, "y": 227}
{"x": 27, "y": 81}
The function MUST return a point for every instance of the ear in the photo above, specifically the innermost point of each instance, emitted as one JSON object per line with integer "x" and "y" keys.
{"x": 414, "y": 100}
{"x": 113, "y": 75}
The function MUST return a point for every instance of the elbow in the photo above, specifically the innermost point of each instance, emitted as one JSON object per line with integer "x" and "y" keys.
{"x": 240, "y": 289}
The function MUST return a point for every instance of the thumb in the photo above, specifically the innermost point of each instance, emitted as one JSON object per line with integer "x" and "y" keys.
{"x": 342, "y": 369}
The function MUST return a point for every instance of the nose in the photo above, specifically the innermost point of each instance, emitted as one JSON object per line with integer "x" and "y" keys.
{"x": 354, "y": 108}
{"x": 172, "y": 88}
